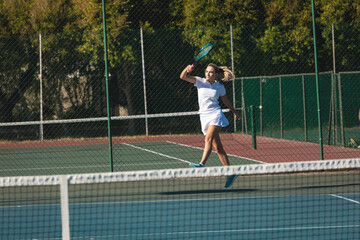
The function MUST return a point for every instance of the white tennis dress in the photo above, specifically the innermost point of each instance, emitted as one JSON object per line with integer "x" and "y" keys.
{"x": 209, "y": 108}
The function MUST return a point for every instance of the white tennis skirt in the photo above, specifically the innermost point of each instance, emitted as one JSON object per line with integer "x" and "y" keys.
{"x": 216, "y": 118}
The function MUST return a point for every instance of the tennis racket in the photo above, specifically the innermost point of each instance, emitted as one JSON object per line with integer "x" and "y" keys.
{"x": 202, "y": 53}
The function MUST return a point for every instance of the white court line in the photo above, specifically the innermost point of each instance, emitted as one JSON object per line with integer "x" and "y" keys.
{"x": 157, "y": 153}
{"x": 251, "y": 230}
{"x": 189, "y": 146}
{"x": 148, "y": 164}
{"x": 344, "y": 198}
{"x": 52, "y": 168}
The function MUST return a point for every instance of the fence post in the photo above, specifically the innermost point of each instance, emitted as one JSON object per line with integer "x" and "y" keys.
{"x": 333, "y": 46}
{"x": 334, "y": 83}
{"x": 317, "y": 80}
{"x": 304, "y": 108}
{"x": 243, "y": 106}
{"x": 107, "y": 88}
{"x": 281, "y": 110}
{"x": 41, "y": 92}
{"x": 253, "y": 126}
{"x": 342, "y": 131}
{"x": 144, "y": 82}
{"x": 260, "y": 108}
{"x": 233, "y": 70}
{"x": 332, "y": 112}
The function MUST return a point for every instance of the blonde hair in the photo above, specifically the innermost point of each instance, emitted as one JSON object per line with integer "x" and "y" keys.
{"x": 224, "y": 73}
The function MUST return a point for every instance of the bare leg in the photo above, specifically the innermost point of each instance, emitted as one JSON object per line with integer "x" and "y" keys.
{"x": 212, "y": 132}
{"x": 224, "y": 159}
{"x": 217, "y": 144}
{"x": 212, "y": 139}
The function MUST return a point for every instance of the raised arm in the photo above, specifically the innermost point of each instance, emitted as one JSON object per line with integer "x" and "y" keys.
{"x": 184, "y": 75}
{"x": 227, "y": 102}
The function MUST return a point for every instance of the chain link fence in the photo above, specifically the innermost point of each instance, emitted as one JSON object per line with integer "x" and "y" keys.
{"x": 53, "y": 95}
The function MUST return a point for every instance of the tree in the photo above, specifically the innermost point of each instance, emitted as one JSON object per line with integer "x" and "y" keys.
{"x": 275, "y": 33}
{"x": 345, "y": 16}
{"x": 209, "y": 21}
{"x": 18, "y": 58}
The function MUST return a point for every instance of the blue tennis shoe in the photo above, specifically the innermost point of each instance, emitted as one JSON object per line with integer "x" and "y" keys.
{"x": 196, "y": 165}
{"x": 230, "y": 180}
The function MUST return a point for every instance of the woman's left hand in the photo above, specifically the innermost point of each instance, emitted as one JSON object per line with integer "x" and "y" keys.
{"x": 237, "y": 116}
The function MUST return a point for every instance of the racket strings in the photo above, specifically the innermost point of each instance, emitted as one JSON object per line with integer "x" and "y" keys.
{"x": 204, "y": 51}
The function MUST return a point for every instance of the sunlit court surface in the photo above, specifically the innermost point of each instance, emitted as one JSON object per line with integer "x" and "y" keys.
{"x": 156, "y": 152}
{"x": 318, "y": 198}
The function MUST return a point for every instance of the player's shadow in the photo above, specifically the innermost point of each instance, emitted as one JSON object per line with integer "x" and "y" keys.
{"x": 208, "y": 191}
{"x": 253, "y": 190}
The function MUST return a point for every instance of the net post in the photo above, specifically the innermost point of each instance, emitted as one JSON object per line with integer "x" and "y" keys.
{"x": 253, "y": 126}
{"x": 64, "y": 201}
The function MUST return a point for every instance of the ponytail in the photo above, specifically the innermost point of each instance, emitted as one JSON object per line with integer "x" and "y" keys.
{"x": 225, "y": 74}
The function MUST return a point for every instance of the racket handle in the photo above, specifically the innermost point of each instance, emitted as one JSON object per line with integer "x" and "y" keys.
{"x": 192, "y": 67}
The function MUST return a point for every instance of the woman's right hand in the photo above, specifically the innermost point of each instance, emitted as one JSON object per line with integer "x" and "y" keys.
{"x": 189, "y": 68}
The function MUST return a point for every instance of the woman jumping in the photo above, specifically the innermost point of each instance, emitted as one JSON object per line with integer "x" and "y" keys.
{"x": 211, "y": 116}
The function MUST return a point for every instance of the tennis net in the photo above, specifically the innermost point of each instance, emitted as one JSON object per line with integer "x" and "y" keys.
{"x": 299, "y": 200}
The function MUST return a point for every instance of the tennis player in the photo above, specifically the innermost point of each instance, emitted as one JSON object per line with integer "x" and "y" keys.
{"x": 211, "y": 116}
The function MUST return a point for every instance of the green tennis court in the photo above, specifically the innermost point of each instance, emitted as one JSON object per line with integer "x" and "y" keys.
{"x": 94, "y": 158}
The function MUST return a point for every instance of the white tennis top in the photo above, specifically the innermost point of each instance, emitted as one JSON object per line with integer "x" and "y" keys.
{"x": 208, "y": 95}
